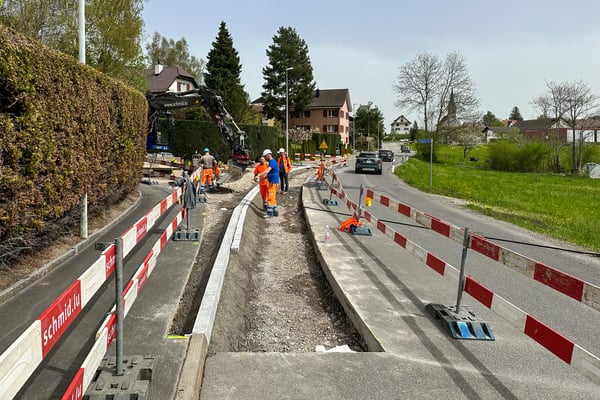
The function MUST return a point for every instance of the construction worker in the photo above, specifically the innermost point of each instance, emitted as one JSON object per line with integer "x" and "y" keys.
{"x": 261, "y": 166}
{"x": 285, "y": 166}
{"x": 272, "y": 175}
{"x": 321, "y": 170}
{"x": 207, "y": 163}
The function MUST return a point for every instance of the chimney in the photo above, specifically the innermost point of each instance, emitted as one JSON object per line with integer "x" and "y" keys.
{"x": 318, "y": 93}
{"x": 158, "y": 68}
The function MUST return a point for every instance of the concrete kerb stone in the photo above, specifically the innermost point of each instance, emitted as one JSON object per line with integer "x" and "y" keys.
{"x": 317, "y": 224}
{"x": 192, "y": 371}
{"x": 49, "y": 266}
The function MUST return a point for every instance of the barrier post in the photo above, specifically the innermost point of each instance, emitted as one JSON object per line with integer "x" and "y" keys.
{"x": 119, "y": 305}
{"x": 83, "y": 228}
{"x": 461, "y": 276}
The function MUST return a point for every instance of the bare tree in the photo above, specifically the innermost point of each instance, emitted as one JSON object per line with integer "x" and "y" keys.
{"x": 571, "y": 102}
{"x": 582, "y": 103}
{"x": 427, "y": 84}
{"x": 552, "y": 106}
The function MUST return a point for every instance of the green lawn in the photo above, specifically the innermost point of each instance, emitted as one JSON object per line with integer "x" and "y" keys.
{"x": 564, "y": 207}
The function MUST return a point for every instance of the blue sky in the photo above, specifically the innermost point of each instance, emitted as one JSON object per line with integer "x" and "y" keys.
{"x": 512, "y": 48}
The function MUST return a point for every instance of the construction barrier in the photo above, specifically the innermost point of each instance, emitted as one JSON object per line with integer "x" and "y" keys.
{"x": 107, "y": 332}
{"x": 582, "y": 291}
{"x": 582, "y": 360}
{"x": 22, "y": 358}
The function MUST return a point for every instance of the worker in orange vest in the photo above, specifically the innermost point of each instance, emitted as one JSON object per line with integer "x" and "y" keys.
{"x": 321, "y": 170}
{"x": 262, "y": 166}
{"x": 208, "y": 164}
{"x": 285, "y": 166}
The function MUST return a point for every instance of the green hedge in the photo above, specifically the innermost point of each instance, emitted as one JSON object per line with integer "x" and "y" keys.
{"x": 65, "y": 130}
{"x": 188, "y": 137}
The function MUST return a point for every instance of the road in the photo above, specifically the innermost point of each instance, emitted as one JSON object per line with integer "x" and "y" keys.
{"x": 58, "y": 368}
{"x": 572, "y": 319}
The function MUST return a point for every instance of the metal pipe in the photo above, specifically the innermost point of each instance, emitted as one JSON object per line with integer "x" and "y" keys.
{"x": 119, "y": 305}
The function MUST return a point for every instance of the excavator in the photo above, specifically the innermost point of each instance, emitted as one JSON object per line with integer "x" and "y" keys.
{"x": 161, "y": 105}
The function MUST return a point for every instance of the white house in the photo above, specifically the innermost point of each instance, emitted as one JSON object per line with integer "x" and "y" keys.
{"x": 400, "y": 125}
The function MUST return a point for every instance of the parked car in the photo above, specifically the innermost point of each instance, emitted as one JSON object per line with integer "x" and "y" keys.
{"x": 405, "y": 148}
{"x": 368, "y": 161}
{"x": 386, "y": 155}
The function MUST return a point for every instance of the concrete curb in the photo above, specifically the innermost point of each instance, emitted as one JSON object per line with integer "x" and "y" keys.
{"x": 315, "y": 226}
{"x": 192, "y": 371}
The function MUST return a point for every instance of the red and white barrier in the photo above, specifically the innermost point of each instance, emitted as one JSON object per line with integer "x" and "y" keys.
{"x": 582, "y": 291}
{"x": 107, "y": 332}
{"x": 21, "y": 359}
{"x": 583, "y": 361}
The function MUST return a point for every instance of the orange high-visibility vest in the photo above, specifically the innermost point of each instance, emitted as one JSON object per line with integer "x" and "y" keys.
{"x": 287, "y": 164}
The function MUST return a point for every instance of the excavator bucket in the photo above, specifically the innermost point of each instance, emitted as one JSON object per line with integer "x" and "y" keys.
{"x": 234, "y": 172}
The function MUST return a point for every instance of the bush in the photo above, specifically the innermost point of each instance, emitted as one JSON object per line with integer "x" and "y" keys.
{"x": 65, "y": 130}
{"x": 514, "y": 157}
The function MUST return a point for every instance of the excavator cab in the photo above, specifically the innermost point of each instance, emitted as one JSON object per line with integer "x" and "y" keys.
{"x": 161, "y": 104}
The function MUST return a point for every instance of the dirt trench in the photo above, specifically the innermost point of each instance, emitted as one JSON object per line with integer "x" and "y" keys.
{"x": 275, "y": 297}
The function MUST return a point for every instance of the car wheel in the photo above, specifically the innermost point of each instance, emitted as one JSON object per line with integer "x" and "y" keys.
{"x": 356, "y": 170}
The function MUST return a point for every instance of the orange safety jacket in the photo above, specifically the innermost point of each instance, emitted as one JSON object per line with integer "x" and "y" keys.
{"x": 261, "y": 168}
{"x": 287, "y": 164}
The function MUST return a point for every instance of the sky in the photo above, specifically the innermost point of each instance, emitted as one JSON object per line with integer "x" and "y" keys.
{"x": 512, "y": 49}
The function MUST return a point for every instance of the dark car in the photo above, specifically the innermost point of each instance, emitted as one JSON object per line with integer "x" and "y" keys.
{"x": 405, "y": 148}
{"x": 368, "y": 161}
{"x": 386, "y": 155}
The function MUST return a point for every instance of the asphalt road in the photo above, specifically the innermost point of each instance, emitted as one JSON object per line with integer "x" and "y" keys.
{"x": 572, "y": 319}
{"x": 58, "y": 368}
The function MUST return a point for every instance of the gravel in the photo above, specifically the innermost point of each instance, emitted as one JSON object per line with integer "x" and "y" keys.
{"x": 275, "y": 297}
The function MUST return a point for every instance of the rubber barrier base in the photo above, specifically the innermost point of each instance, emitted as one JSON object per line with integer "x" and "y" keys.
{"x": 322, "y": 187}
{"x": 360, "y": 230}
{"x": 133, "y": 384}
{"x": 186, "y": 234}
{"x": 329, "y": 202}
{"x": 461, "y": 325}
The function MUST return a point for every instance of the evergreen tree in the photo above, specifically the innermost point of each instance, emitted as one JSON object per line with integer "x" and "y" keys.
{"x": 223, "y": 71}
{"x": 288, "y": 50}
{"x": 489, "y": 119}
{"x": 515, "y": 114}
{"x": 414, "y": 129}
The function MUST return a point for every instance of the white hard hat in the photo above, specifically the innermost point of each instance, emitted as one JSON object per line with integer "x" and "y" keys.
{"x": 281, "y": 150}
{"x": 267, "y": 151}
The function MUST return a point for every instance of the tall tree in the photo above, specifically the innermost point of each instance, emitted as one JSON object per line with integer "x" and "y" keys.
{"x": 174, "y": 53}
{"x": 223, "y": 71}
{"x": 288, "y": 50}
{"x": 581, "y": 104}
{"x": 515, "y": 114}
{"x": 114, "y": 31}
{"x": 427, "y": 83}
{"x": 489, "y": 119}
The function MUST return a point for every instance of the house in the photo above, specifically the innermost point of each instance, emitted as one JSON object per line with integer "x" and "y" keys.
{"x": 400, "y": 125}
{"x": 587, "y": 130}
{"x": 169, "y": 79}
{"x": 258, "y": 106}
{"x": 329, "y": 112}
{"x": 543, "y": 128}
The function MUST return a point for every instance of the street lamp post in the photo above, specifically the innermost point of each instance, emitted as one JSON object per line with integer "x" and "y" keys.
{"x": 354, "y": 131}
{"x": 287, "y": 150}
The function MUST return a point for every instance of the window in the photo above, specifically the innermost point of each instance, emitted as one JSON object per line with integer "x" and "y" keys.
{"x": 330, "y": 128}
{"x": 330, "y": 113}
{"x": 304, "y": 114}
{"x": 183, "y": 86}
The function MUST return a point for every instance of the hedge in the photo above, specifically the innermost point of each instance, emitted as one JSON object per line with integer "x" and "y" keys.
{"x": 65, "y": 130}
